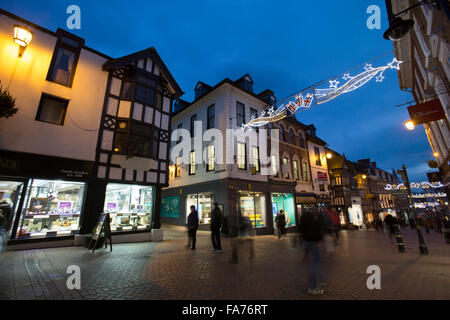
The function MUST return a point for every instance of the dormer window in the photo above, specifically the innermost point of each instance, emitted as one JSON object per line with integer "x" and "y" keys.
{"x": 248, "y": 85}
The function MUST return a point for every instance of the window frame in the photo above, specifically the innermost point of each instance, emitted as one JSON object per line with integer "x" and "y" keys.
{"x": 317, "y": 155}
{"x": 305, "y": 174}
{"x": 239, "y": 115}
{"x": 61, "y": 45}
{"x": 296, "y": 169}
{"x": 288, "y": 174}
{"x": 59, "y": 99}
{"x": 257, "y": 164}
{"x": 193, "y": 119}
{"x": 178, "y": 167}
{"x": 244, "y": 165}
{"x": 274, "y": 164}
{"x": 208, "y": 167}
{"x": 213, "y": 116}
{"x": 192, "y": 166}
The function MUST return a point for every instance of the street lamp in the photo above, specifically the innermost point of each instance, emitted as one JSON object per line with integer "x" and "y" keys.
{"x": 22, "y": 37}
{"x": 329, "y": 155}
{"x": 410, "y": 125}
{"x": 364, "y": 176}
{"x": 436, "y": 154}
{"x": 398, "y": 27}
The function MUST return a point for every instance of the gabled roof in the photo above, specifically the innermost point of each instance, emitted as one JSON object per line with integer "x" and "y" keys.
{"x": 147, "y": 53}
{"x": 245, "y": 76}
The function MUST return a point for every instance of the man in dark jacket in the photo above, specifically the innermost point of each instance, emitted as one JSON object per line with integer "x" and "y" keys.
{"x": 312, "y": 228}
{"x": 216, "y": 224}
{"x": 280, "y": 221}
{"x": 391, "y": 222}
{"x": 192, "y": 225}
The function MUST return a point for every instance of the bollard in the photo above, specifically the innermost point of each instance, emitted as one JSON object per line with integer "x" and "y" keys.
{"x": 399, "y": 238}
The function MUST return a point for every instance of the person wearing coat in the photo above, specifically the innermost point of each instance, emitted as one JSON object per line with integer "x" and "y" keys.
{"x": 192, "y": 225}
{"x": 280, "y": 221}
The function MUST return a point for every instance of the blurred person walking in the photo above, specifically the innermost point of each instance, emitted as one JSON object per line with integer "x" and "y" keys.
{"x": 216, "y": 224}
{"x": 243, "y": 237}
{"x": 280, "y": 221}
{"x": 390, "y": 221}
{"x": 192, "y": 225}
{"x": 312, "y": 227}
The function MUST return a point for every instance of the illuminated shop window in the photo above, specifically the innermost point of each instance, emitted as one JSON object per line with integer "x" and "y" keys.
{"x": 52, "y": 208}
{"x": 202, "y": 203}
{"x": 130, "y": 206}
{"x": 253, "y": 205}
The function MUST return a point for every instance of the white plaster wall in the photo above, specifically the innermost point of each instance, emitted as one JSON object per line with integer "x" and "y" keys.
{"x": 22, "y": 132}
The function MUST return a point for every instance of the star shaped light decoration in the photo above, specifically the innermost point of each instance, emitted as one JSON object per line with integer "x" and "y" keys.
{"x": 347, "y": 76}
{"x": 380, "y": 78}
{"x": 397, "y": 64}
{"x": 333, "y": 83}
{"x": 271, "y": 111}
{"x": 368, "y": 67}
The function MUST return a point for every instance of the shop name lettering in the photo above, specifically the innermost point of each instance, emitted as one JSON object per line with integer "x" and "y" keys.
{"x": 9, "y": 164}
{"x": 71, "y": 173}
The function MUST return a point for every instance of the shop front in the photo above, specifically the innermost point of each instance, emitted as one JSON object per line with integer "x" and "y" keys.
{"x": 253, "y": 205}
{"x": 51, "y": 208}
{"x": 285, "y": 202}
{"x": 203, "y": 203}
{"x": 306, "y": 203}
{"x": 130, "y": 206}
{"x": 44, "y": 196}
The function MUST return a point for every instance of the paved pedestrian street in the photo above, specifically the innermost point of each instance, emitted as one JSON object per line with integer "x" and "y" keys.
{"x": 168, "y": 270}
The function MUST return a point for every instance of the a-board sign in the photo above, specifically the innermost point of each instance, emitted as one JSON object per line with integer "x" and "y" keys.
{"x": 104, "y": 226}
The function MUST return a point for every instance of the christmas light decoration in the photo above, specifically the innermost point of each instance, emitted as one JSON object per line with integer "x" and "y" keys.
{"x": 305, "y": 99}
{"x": 414, "y": 185}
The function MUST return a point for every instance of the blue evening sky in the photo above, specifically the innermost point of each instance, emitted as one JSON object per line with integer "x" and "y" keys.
{"x": 284, "y": 45}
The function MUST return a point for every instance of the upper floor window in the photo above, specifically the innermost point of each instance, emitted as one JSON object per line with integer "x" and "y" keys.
{"x": 296, "y": 170}
{"x": 286, "y": 168}
{"x": 180, "y": 126}
{"x": 254, "y": 113}
{"x": 192, "y": 163}
{"x": 211, "y": 117}
{"x": 240, "y": 114}
{"x": 145, "y": 95}
{"x": 282, "y": 133}
{"x": 305, "y": 171}
{"x": 241, "y": 156}
{"x": 211, "y": 158}
{"x": 193, "y": 119}
{"x": 52, "y": 109}
{"x": 317, "y": 156}
{"x": 255, "y": 154}
{"x": 291, "y": 134}
{"x": 274, "y": 164}
{"x": 65, "y": 59}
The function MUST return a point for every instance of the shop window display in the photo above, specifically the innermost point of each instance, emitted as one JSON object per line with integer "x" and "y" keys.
{"x": 52, "y": 208}
{"x": 10, "y": 193}
{"x": 130, "y": 206}
{"x": 284, "y": 201}
{"x": 203, "y": 205}
{"x": 253, "y": 205}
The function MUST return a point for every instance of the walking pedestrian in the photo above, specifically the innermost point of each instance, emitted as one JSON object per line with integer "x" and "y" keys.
{"x": 390, "y": 221}
{"x": 216, "y": 224}
{"x": 192, "y": 225}
{"x": 243, "y": 237}
{"x": 312, "y": 231}
{"x": 280, "y": 221}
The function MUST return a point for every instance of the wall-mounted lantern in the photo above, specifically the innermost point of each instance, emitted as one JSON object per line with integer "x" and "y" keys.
{"x": 22, "y": 37}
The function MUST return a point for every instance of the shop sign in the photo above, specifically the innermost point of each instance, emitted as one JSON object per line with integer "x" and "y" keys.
{"x": 426, "y": 112}
{"x": 305, "y": 199}
{"x": 33, "y": 165}
{"x": 9, "y": 164}
{"x": 322, "y": 176}
{"x": 170, "y": 207}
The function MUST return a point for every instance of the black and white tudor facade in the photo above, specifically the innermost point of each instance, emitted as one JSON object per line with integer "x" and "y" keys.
{"x": 91, "y": 135}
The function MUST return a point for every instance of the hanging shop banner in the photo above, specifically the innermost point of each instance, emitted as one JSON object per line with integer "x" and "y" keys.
{"x": 170, "y": 207}
{"x": 426, "y": 112}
